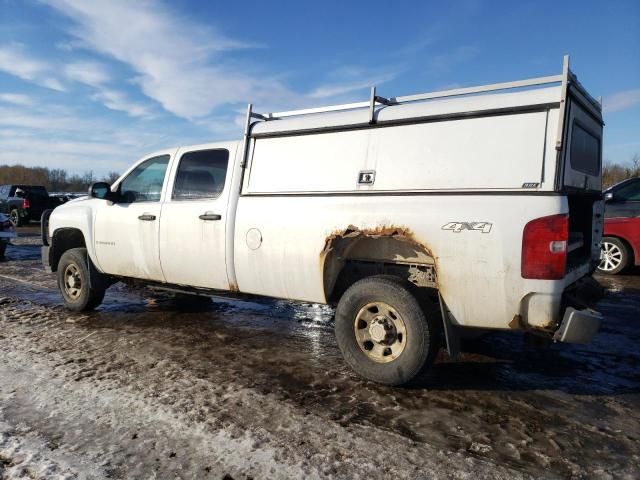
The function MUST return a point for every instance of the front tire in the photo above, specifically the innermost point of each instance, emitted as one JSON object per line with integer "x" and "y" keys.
{"x": 385, "y": 332}
{"x": 615, "y": 256}
{"x": 78, "y": 290}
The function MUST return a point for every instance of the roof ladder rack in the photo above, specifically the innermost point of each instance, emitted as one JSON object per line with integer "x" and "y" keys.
{"x": 565, "y": 79}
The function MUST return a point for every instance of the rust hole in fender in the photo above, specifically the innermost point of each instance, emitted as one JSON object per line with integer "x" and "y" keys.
{"x": 516, "y": 322}
{"x": 390, "y": 244}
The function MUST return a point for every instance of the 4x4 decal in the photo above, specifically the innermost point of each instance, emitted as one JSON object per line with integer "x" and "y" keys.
{"x": 457, "y": 227}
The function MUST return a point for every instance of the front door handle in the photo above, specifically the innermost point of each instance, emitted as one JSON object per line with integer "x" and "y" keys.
{"x": 147, "y": 217}
{"x": 210, "y": 216}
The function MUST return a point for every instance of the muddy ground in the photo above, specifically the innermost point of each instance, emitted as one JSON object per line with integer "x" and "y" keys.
{"x": 143, "y": 388}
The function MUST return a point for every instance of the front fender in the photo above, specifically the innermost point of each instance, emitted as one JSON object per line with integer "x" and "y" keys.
{"x": 79, "y": 215}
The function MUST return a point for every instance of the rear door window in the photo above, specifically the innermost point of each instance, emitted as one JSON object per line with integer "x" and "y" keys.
{"x": 201, "y": 174}
{"x": 585, "y": 151}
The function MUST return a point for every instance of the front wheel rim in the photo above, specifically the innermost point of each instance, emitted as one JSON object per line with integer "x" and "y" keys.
{"x": 380, "y": 332}
{"x": 72, "y": 281}
{"x": 610, "y": 257}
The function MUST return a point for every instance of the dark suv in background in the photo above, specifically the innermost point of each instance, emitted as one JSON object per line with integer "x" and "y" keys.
{"x": 621, "y": 238}
{"x": 24, "y": 203}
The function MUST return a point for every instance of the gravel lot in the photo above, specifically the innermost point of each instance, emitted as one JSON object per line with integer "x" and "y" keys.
{"x": 142, "y": 388}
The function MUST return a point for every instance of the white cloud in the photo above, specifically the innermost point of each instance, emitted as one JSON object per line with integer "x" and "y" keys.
{"x": 621, "y": 101}
{"x": 58, "y": 137}
{"x": 116, "y": 100}
{"x": 90, "y": 73}
{"x": 182, "y": 64}
{"x": 35, "y": 119}
{"x": 16, "y": 98}
{"x": 14, "y": 61}
{"x": 364, "y": 82}
{"x": 96, "y": 75}
{"x": 443, "y": 63}
{"x": 172, "y": 56}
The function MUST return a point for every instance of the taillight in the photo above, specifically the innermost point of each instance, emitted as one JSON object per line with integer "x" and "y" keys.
{"x": 544, "y": 247}
{"x": 26, "y": 203}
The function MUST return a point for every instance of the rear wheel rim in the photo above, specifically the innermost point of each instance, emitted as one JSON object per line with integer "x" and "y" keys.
{"x": 13, "y": 216}
{"x": 610, "y": 257}
{"x": 72, "y": 281}
{"x": 380, "y": 332}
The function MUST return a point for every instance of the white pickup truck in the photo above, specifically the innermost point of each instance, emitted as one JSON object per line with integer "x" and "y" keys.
{"x": 417, "y": 216}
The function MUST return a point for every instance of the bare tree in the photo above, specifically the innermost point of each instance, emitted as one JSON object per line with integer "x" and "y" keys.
{"x": 111, "y": 177}
{"x": 55, "y": 179}
{"x": 613, "y": 173}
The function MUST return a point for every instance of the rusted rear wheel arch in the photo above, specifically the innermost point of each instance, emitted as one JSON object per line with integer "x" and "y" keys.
{"x": 353, "y": 253}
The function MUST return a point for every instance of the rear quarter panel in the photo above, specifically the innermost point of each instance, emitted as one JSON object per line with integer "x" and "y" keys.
{"x": 479, "y": 273}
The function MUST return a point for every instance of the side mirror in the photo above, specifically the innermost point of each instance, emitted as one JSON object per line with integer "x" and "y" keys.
{"x": 101, "y": 190}
{"x": 608, "y": 196}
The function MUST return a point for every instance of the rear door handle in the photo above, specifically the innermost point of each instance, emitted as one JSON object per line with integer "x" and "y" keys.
{"x": 210, "y": 216}
{"x": 147, "y": 217}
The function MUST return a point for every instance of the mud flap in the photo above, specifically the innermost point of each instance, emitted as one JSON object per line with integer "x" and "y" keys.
{"x": 44, "y": 256}
{"x": 450, "y": 332}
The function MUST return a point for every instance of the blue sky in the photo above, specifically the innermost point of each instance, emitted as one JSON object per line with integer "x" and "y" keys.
{"x": 94, "y": 85}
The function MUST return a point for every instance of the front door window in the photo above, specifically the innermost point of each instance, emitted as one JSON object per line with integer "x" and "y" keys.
{"x": 144, "y": 183}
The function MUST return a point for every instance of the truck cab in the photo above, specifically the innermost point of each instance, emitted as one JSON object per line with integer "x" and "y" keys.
{"x": 168, "y": 220}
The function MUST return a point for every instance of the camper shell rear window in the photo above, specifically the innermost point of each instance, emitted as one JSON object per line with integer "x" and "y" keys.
{"x": 585, "y": 151}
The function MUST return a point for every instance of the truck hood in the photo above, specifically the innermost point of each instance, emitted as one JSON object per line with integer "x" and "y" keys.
{"x": 77, "y": 200}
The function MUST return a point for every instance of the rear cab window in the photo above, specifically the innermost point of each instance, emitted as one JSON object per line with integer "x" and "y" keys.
{"x": 34, "y": 190}
{"x": 201, "y": 175}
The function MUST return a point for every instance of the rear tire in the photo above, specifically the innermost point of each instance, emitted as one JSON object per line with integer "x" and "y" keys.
{"x": 3, "y": 249}
{"x": 14, "y": 216}
{"x": 79, "y": 291}
{"x": 615, "y": 256}
{"x": 386, "y": 334}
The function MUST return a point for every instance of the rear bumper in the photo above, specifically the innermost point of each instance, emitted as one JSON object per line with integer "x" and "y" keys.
{"x": 567, "y": 314}
{"x": 578, "y": 326}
